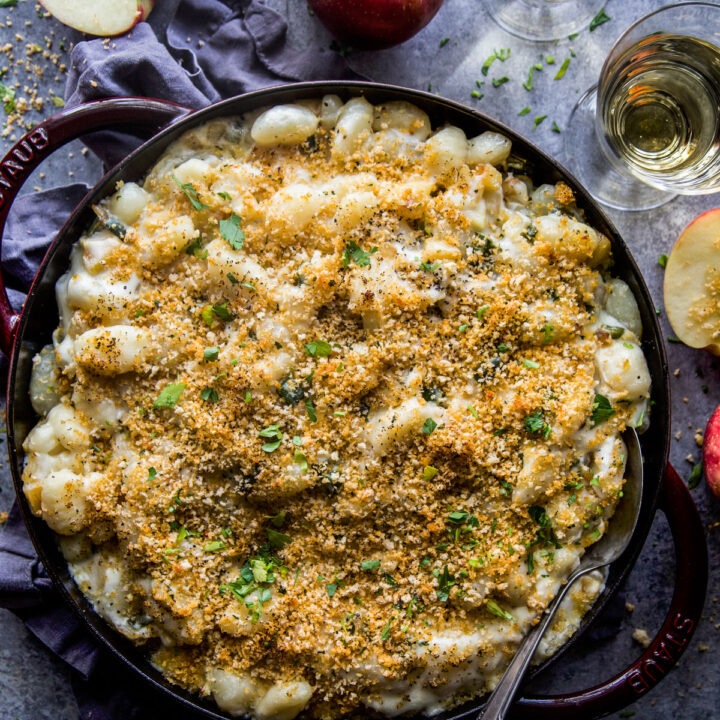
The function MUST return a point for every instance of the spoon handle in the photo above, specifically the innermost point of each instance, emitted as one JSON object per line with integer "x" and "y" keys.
{"x": 504, "y": 693}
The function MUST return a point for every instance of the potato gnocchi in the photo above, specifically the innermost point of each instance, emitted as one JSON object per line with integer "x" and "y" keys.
{"x": 333, "y": 409}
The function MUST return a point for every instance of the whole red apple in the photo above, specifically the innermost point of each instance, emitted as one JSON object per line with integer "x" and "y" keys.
{"x": 711, "y": 452}
{"x": 374, "y": 24}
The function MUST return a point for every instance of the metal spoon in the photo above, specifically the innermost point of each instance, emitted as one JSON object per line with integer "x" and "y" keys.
{"x": 608, "y": 549}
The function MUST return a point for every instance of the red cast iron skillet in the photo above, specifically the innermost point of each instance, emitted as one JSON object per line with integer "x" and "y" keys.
{"x": 21, "y": 336}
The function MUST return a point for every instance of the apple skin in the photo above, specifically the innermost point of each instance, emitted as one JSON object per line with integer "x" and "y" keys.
{"x": 374, "y": 24}
{"x": 83, "y": 15}
{"x": 711, "y": 453}
{"x": 696, "y": 251}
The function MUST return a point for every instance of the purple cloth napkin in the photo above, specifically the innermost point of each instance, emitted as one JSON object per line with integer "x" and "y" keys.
{"x": 210, "y": 50}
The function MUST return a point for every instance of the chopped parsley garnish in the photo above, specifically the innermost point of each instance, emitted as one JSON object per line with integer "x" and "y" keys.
{"x": 215, "y": 546}
{"x": 370, "y": 565}
{"x": 695, "y": 476}
{"x": 273, "y": 433}
{"x": 355, "y": 253}
{"x": 386, "y": 630}
{"x": 549, "y": 59}
{"x": 538, "y": 120}
{"x": 555, "y": 128}
{"x": 190, "y": 191}
{"x": 488, "y": 62}
{"x": 563, "y": 69}
{"x": 497, "y": 82}
{"x": 300, "y": 459}
{"x": 224, "y": 196}
{"x": 601, "y": 410}
{"x": 573, "y": 36}
{"x": 663, "y": 260}
{"x": 169, "y": 395}
{"x": 548, "y": 332}
{"x": 222, "y": 311}
{"x": 231, "y": 231}
{"x": 428, "y": 426}
{"x": 531, "y": 364}
{"x": 481, "y": 311}
{"x": 536, "y": 425}
{"x": 599, "y": 19}
{"x": 505, "y": 488}
{"x": 7, "y": 96}
{"x": 446, "y": 580}
{"x": 503, "y": 347}
{"x": 331, "y": 589}
{"x": 211, "y": 354}
{"x": 463, "y": 327}
{"x": 444, "y": 42}
{"x": 277, "y": 539}
{"x": 255, "y": 577}
{"x": 473, "y": 412}
{"x": 429, "y": 267}
{"x": 529, "y": 83}
{"x": 310, "y": 410}
{"x": 318, "y": 348}
{"x": 477, "y": 95}
{"x": 152, "y": 474}
{"x": 496, "y": 610}
{"x": 429, "y": 472}
{"x": 524, "y": 111}
{"x": 233, "y": 280}
{"x": 544, "y": 535}
{"x": 209, "y": 394}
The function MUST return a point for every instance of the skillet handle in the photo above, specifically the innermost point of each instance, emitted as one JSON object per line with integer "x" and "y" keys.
{"x": 140, "y": 115}
{"x": 691, "y": 576}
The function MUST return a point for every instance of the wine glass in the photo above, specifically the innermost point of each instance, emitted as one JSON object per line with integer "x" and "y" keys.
{"x": 543, "y": 19}
{"x": 650, "y": 128}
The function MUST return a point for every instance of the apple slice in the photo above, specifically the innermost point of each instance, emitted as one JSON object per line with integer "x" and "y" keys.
{"x": 109, "y": 17}
{"x": 692, "y": 283}
{"x": 711, "y": 453}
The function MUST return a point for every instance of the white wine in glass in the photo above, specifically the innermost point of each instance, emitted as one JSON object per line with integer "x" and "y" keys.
{"x": 655, "y": 114}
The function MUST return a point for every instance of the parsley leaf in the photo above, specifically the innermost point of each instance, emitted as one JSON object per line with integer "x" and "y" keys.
{"x": 191, "y": 193}
{"x": 538, "y": 120}
{"x": 386, "y": 630}
{"x": 599, "y": 19}
{"x": 428, "y": 426}
{"x": 663, "y": 260}
{"x": 273, "y": 433}
{"x": 209, "y": 394}
{"x": 215, "y": 546}
{"x": 318, "y": 348}
{"x": 563, "y": 68}
{"x": 524, "y": 111}
{"x": 370, "y": 565}
{"x": 446, "y": 580}
{"x": 169, "y": 395}
{"x": 536, "y": 425}
{"x": 355, "y": 253}
{"x": 429, "y": 472}
{"x": 310, "y": 410}
{"x": 222, "y": 311}
{"x": 695, "y": 476}
{"x": 231, "y": 231}
{"x": 224, "y": 196}
{"x": 601, "y": 410}
{"x": 497, "y": 82}
{"x": 7, "y": 96}
{"x": 277, "y": 539}
{"x": 496, "y": 610}
{"x": 211, "y": 354}
{"x": 152, "y": 474}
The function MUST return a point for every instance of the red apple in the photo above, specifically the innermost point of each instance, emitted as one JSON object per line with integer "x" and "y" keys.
{"x": 374, "y": 24}
{"x": 692, "y": 283}
{"x": 109, "y": 17}
{"x": 711, "y": 453}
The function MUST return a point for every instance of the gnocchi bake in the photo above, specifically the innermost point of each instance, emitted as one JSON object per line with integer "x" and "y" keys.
{"x": 333, "y": 408}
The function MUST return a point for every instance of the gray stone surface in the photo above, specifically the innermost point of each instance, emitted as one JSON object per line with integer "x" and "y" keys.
{"x": 33, "y": 685}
